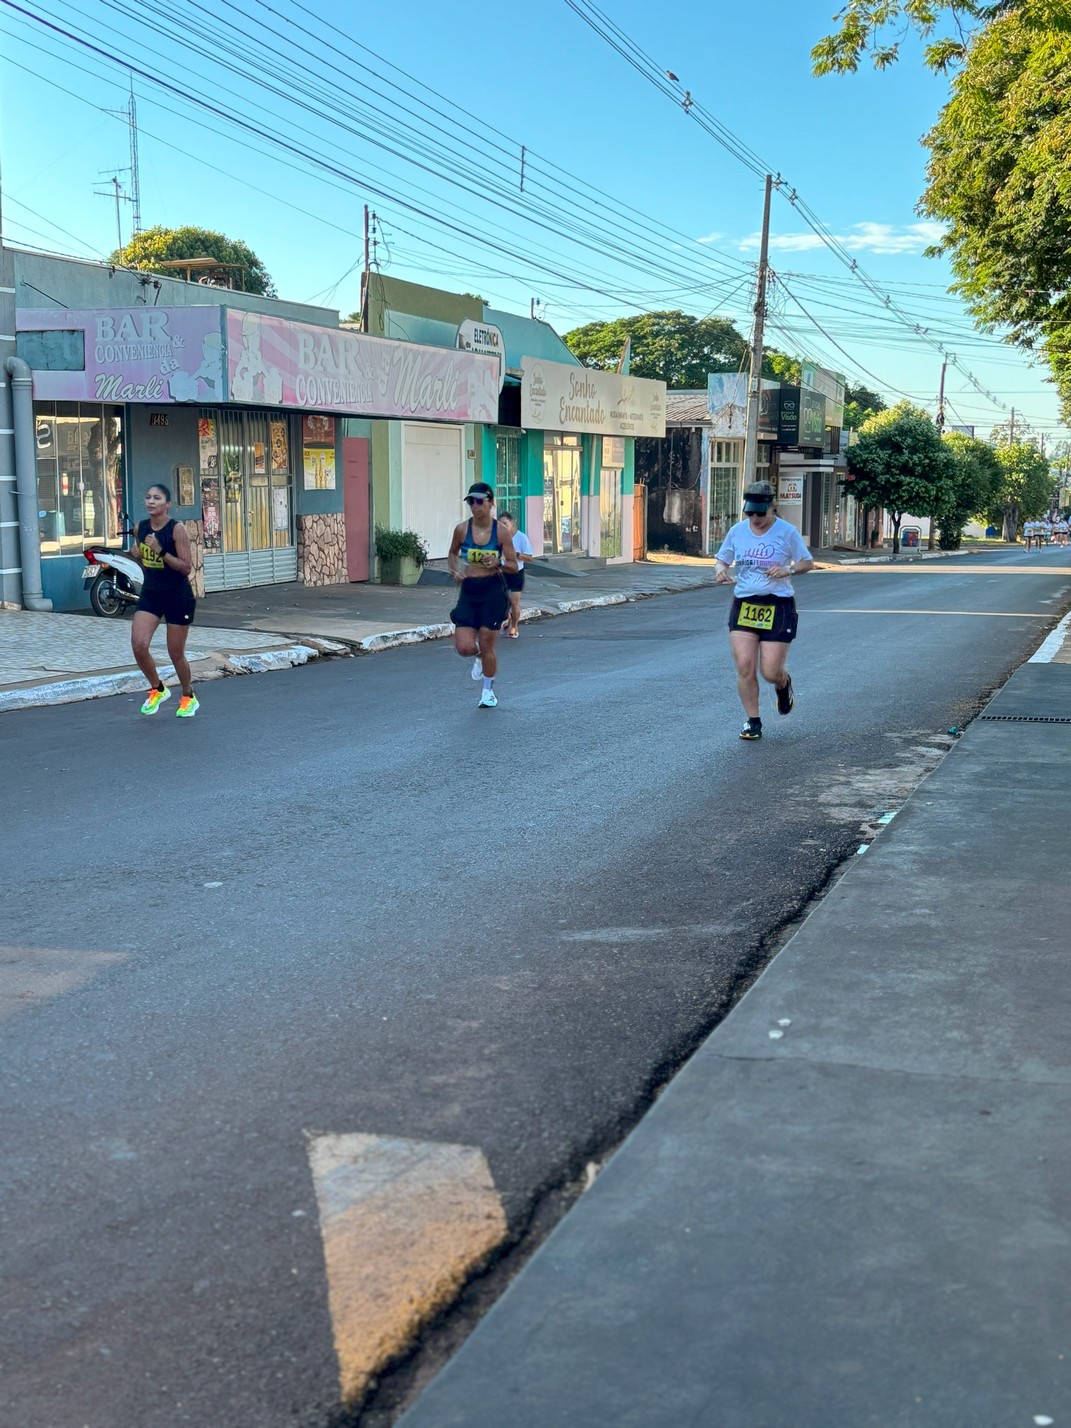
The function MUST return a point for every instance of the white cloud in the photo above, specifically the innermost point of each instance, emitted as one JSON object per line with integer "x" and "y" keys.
{"x": 862, "y": 238}
{"x": 710, "y": 238}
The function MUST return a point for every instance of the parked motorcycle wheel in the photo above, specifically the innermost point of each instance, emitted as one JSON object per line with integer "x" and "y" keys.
{"x": 104, "y": 598}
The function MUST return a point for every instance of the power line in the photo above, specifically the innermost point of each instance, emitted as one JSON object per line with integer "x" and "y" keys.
{"x": 668, "y": 84}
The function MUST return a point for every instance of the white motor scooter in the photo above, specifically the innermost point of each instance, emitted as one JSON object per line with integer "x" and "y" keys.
{"x": 114, "y": 579}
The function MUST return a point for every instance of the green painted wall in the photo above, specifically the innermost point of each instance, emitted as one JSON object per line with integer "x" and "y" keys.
{"x": 395, "y": 295}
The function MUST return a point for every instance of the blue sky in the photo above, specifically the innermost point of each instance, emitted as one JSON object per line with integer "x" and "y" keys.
{"x": 628, "y": 203}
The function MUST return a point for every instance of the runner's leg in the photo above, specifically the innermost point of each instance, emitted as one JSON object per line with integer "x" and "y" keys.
{"x": 141, "y": 633}
{"x": 514, "y": 609}
{"x": 745, "y": 648}
{"x": 487, "y": 653}
{"x": 773, "y": 655}
{"x": 176, "y": 649}
{"x": 465, "y": 642}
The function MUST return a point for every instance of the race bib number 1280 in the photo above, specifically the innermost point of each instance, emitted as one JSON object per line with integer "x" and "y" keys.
{"x": 755, "y": 617}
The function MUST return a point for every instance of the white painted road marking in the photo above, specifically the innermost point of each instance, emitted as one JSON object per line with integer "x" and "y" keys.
{"x": 1050, "y": 648}
{"x": 404, "y": 1223}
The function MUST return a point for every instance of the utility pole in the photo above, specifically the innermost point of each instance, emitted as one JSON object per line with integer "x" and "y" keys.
{"x": 116, "y": 191}
{"x": 365, "y": 276}
{"x": 751, "y": 439}
{"x": 1011, "y": 428}
{"x": 941, "y": 398}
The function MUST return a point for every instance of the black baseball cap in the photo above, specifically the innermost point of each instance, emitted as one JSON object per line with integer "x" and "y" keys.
{"x": 758, "y": 498}
{"x": 481, "y": 488}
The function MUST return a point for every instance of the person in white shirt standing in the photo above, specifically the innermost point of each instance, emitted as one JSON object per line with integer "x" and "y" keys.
{"x": 522, "y": 548}
{"x": 760, "y": 555}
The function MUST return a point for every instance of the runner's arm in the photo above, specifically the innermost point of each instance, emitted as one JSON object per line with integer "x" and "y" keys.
{"x": 452, "y": 561}
{"x": 509, "y": 555}
{"x": 182, "y": 560}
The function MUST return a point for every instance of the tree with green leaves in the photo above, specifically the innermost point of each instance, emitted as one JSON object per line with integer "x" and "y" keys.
{"x": 152, "y": 247}
{"x": 780, "y": 367}
{"x": 860, "y": 404}
{"x": 877, "y": 28}
{"x": 671, "y": 346}
{"x": 999, "y": 173}
{"x": 976, "y": 479}
{"x": 901, "y": 464}
{"x": 1026, "y": 488}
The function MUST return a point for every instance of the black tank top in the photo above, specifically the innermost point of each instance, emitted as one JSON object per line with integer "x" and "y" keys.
{"x": 160, "y": 578}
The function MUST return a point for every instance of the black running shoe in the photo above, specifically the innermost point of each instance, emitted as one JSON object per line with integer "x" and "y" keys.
{"x": 785, "y": 699}
{"x": 752, "y": 729}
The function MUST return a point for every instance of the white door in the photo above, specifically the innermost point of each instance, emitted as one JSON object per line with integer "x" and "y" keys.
{"x": 433, "y": 483}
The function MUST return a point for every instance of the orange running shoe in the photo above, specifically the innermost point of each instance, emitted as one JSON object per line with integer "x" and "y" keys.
{"x": 154, "y": 699}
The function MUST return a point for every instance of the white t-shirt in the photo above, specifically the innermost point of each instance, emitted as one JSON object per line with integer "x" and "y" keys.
{"x": 754, "y": 554}
{"x": 522, "y": 545}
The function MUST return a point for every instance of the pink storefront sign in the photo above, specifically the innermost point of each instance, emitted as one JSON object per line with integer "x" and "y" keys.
{"x": 276, "y": 363}
{"x": 139, "y": 354}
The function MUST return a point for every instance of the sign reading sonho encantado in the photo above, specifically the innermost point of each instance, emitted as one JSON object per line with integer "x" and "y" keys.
{"x": 558, "y": 397}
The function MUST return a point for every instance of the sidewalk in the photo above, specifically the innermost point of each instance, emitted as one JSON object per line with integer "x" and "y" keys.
{"x": 851, "y": 1209}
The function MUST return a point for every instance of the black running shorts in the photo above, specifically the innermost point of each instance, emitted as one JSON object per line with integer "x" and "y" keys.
{"x": 772, "y": 617}
{"x": 177, "y": 607}
{"x": 514, "y": 582}
{"x": 483, "y": 603}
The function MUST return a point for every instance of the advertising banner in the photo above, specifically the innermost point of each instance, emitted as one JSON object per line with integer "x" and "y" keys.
{"x": 790, "y": 491}
{"x": 137, "y": 354}
{"x": 277, "y": 363}
{"x": 556, "y": 396}
{"x": 829, "y": 385}
{"x": 812, "y": 418}
{"x": 727, "y": 404}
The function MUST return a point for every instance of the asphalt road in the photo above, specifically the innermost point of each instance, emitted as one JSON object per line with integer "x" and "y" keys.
{"x": 341, "y": 899}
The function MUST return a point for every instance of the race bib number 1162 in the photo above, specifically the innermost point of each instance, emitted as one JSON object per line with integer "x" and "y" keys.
{"x": 755, "y": 617}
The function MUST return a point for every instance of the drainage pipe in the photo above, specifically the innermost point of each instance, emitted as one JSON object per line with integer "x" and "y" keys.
{"x": 26, "y": 483}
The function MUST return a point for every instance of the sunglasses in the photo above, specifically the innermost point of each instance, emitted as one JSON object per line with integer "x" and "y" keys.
{"x": 475, "y": 500}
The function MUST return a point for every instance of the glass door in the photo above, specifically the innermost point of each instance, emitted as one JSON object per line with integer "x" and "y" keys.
{"x": 508, "y": 474}
{"x": 561, "y": 494}
{"x": 256, "y": 465}
{"x": 232, "y": 466}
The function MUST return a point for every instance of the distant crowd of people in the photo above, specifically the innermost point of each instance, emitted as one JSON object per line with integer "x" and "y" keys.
{"x": 1046, "y": 532}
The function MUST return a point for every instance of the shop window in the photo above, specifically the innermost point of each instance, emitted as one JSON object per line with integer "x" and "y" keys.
{"x": 79, "y": 475}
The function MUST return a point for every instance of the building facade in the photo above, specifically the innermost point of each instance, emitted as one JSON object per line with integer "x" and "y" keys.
{"x": 257, "y": 416}
{"x": 559, "y": 450}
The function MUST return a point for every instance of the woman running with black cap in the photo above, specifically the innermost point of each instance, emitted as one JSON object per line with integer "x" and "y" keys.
{"x": 480, "y": 552}
{"x": 765, "y": 552}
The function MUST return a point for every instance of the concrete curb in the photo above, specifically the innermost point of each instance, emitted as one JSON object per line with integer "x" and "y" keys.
{"x": 394, "y": 639}
{"x": 132, "y": 681}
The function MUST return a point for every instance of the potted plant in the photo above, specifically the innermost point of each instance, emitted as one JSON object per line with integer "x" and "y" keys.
{"x": 402, "y": 556}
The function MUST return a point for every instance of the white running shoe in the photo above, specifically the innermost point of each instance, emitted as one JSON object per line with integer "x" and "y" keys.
{"x": 488, "y": 700}
{"x": 477, "y": 668}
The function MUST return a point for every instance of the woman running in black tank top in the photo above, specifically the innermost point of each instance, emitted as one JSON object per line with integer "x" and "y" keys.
{"x": 480, "y": 551}
{"x": 163, "y": 549}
